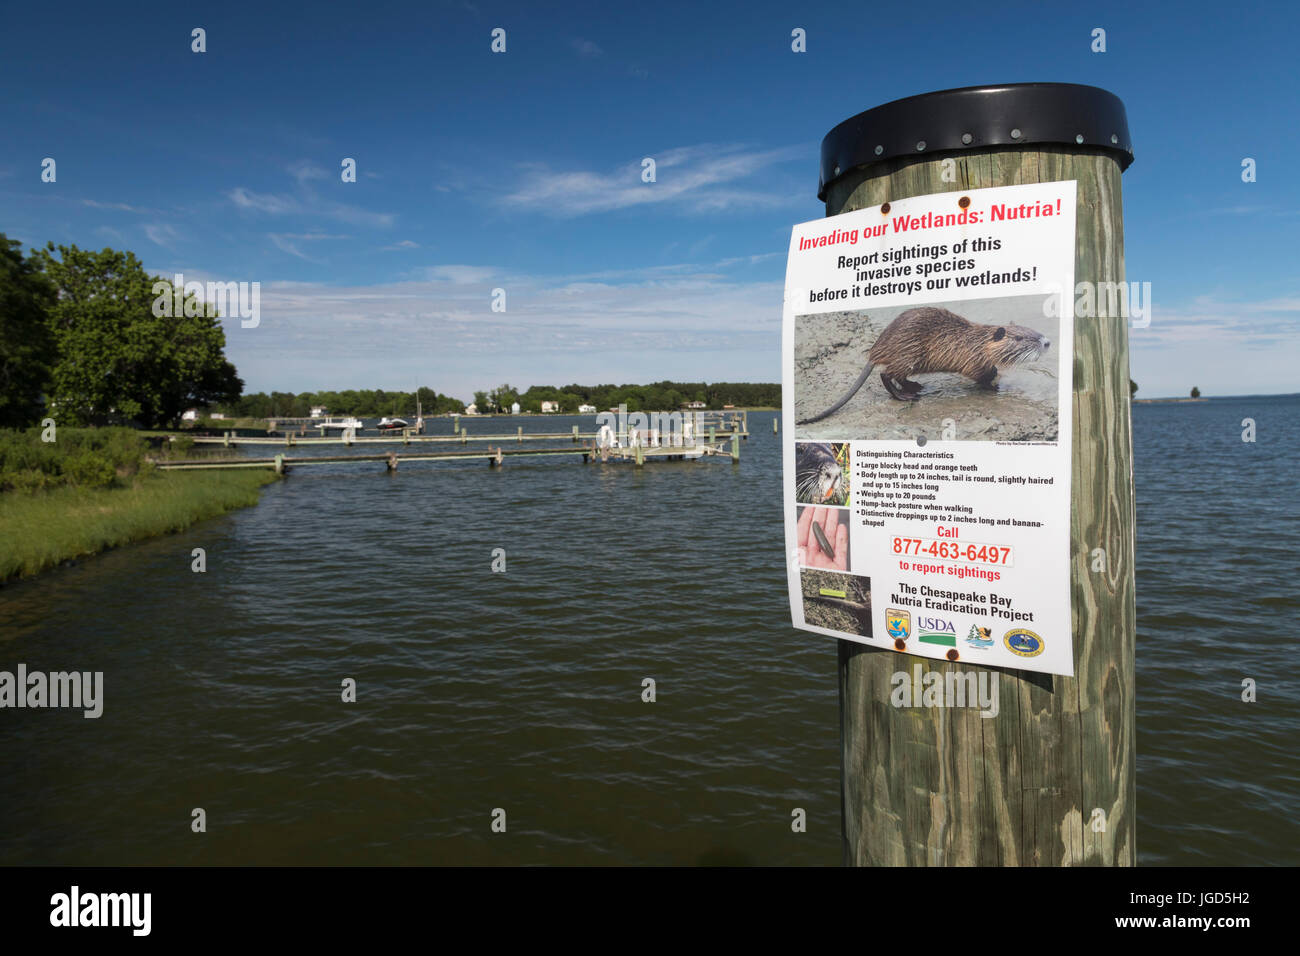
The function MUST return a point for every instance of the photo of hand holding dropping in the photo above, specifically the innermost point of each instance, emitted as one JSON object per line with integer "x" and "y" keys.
{"x": 822, "y": 538}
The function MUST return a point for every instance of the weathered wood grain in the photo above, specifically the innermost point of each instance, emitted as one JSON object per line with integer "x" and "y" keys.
{"x": 945, "y": 786}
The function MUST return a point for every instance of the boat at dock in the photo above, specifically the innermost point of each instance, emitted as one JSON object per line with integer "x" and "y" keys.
{"x": 338, "y": 423}
{"x": 387, "y": 424}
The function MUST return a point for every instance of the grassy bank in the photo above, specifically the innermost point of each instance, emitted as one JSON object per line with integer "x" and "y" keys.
{"x": 41, "y": 529}
{"x": 93, "y": 489}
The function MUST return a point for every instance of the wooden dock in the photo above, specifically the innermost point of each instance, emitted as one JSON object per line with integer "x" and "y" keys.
{"x": 637, "y": 454}
{"x": 460, "y": 437}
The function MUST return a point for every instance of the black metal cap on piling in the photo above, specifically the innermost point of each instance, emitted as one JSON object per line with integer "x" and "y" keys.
{"x": 977, "y": 117}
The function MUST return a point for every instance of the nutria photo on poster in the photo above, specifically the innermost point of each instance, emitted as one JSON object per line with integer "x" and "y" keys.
{"x": 926, "y": 349}
{"x": 822, "y": 476}
{"x": 990, "y": 365}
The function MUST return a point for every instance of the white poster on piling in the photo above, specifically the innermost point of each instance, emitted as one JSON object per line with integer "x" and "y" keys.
{"x": 927, "y": 354}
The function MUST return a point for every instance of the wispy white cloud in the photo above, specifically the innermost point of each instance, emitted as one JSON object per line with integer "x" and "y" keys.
{"x": 260, "y": 202}
{"x": 162, "y": 234}
{"x": 402, "y": 244}
{"x": 306, "y": 171}
{"x": 119, "y": 206}
{"x": 586, "y": 48}
{"x": 284, "y": 244}
{"x": 698, "y": 177}
{"x": 456, "y": 274}
{"x": 306, "y": 206}
{"x": 288, "y": 242}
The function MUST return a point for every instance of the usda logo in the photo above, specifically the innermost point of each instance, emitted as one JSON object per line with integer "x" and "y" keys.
{"x": 1023, "y": 642}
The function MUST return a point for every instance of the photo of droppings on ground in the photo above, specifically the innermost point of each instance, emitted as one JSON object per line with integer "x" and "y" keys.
{"x": 831, "y": 349}
{"x": 841, "y": 602}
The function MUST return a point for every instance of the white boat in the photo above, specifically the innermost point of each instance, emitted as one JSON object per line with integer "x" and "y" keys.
{"x": 341, "y": 423}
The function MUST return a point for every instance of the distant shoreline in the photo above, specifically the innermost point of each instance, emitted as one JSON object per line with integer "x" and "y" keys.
{"x": 1166, "y": 401}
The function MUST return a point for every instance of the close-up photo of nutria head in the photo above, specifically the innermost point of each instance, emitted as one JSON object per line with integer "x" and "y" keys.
{"x": 821, "y": 473}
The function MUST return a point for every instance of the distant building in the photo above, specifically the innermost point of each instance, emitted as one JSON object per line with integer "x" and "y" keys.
{"x": 586, "y": 409}
{"x": 471, "y": 409}
{"x": 549, "y": 407}
{"x": 728, "y": 406}
{"x": 216, "y": 415}
{"x": 190, "y": 415}
{"x": 318, "y": 411}
{"x": 514, "y": 408}
{"x": 694, "y": 405}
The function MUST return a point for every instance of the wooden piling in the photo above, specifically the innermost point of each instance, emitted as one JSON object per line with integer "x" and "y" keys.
{"x": 1049, "y": 780}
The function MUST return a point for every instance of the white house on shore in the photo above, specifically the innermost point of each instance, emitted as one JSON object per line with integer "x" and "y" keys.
{"x": 586, "y": 409}
{"x": 190, "y": 415}
{"x": 319, "y": 411}
{"x": 471, "y": 409}
{"x": 549, "y": 408}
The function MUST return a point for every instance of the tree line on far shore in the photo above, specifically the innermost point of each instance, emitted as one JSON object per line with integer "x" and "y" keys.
{"x": 371, "y": 403}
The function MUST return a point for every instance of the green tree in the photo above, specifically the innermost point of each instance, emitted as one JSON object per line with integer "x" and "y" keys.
{"x": 502, "y": 397}
{"x": 117, "y": 360}
{"x": 26, "y": 343}
{"x": 1196, "y": 392}
{"x": 1132, "y": 387}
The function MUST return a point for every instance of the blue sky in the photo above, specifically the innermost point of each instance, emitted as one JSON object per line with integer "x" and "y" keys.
{"x": 522, "y": 171}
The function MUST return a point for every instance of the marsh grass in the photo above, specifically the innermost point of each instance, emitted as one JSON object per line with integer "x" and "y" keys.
{"x": 40, "y": 529}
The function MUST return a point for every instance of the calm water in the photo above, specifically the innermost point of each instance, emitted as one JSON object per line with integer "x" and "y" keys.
{"x": 523, "y": 690}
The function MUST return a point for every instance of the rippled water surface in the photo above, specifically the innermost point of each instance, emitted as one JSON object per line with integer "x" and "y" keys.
{"x": 522, "y": 690}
